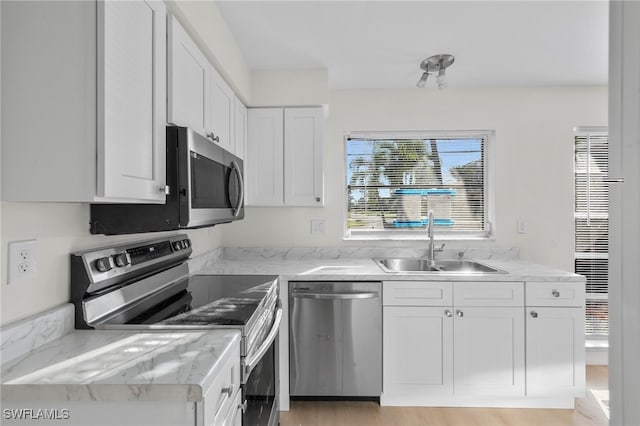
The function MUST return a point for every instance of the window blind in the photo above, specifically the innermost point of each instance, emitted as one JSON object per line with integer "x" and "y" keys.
{"x": 592, "y": 226}
{"x": 393, "y": 182}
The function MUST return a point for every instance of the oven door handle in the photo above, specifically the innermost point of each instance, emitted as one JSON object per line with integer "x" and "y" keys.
{"x": 250, "y": 363}
{"x": 236, "y": 168}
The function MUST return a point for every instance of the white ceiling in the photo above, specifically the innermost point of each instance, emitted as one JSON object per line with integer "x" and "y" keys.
{"x": 380, "y": 44}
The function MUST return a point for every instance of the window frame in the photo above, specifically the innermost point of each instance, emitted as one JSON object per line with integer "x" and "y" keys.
{"x": 489, "y": 231}
{"x": 593, "y": 327}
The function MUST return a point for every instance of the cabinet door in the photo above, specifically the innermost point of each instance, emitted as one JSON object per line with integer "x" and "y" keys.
{"x": 417, "y": 351}
{"x": 221, "y": 112}
{"x": 264, "y": 162}
{"x": 240, "y": 119}
{"x": 131, "y": 100}
{"x": 489, "y": 351}
{"x": 555, "y": 352}
{"x": 303, "y": 139}
{"x": 188, "y": 80}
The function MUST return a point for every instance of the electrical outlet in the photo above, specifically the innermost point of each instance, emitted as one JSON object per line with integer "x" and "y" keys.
{"x": 22, "y": 260}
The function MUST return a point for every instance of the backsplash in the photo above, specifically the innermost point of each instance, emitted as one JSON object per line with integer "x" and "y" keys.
{"x": 304, "y": 253}
{"x": 23, "y": 336}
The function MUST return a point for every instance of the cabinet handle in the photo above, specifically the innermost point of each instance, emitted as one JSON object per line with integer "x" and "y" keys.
{"x": 555, "y": 293}
{"x": 317, "y": 199}
{"x": 213, "y": 137}
{"x": 448, "y": 313}
{"x": 460, "y": 314}
{"x": 534, "y": 314}
{"x": 165, "y": 190}
{"x": 228, "y": 391}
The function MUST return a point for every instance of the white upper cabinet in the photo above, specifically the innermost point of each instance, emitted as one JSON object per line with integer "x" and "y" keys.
{"x": 221, "y": 125}
{"x": 84, "y": 98}
{"x": 303, "y": 137}
{"x": 240, "y": 119}
{"x": 264, "y": 160}
{"x": 284, "y": 156}
{"x": 188, "y": 80}
{"x": 131, "y": 107}
{"x": 199, "y": 97}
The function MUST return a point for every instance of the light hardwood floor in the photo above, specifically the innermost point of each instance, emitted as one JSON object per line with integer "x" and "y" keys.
{"x": 588, "y": 411}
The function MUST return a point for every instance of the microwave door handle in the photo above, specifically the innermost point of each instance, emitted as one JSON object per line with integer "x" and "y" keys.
{"x": 235, "y": 167}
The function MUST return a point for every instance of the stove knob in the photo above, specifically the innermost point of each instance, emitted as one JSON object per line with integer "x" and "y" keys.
{"x": 120, "y": 259}
{"x": 177, "y": 245}
{"x": 103, "y": 264}
{"x": 186, "y": 243}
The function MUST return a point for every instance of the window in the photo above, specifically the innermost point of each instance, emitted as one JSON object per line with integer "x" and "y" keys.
{"x": 592, "y": 224}
{"x": 394, "y": 179}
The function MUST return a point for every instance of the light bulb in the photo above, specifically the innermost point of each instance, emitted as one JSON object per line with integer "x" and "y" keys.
{"x": 440, "y": 79}
{"x": 423, "y": 80}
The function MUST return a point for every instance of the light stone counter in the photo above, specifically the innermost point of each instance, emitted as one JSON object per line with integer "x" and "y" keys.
{"x": 356, "y": 264}
{"x": 328, "y": 264}
{"x": 96, "y": 365}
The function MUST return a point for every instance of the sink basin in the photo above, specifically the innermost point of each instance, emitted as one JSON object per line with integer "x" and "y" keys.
{"x": 440, "y": 266}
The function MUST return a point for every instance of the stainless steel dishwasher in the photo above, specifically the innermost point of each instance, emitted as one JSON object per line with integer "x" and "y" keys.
{"x": 335, "y": 346}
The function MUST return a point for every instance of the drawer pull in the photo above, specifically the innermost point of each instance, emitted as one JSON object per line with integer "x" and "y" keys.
{"x": 228, "y": 391}
{"x": 534, "y": 314}
{"x": 460, "y": 314}
{"x": 448, "y": 313}
{"x": 555, "y": 293}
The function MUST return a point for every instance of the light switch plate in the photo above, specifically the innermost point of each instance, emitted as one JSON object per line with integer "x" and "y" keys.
{"x": 522, "y": 226}
{"x": 317, "y": 226}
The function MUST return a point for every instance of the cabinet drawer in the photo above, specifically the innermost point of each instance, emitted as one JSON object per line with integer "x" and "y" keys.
{"x": 479, "y": 293}
{"x": 417, "y": 293}
{"x": 221, "y": 395}
{"x": 554, "y": 294}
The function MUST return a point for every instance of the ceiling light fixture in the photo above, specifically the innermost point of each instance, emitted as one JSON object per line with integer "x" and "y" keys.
{"x": 435, "y": 64}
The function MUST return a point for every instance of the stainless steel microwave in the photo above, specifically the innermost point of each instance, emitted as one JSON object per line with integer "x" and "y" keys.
{"x": 205, "y": 187}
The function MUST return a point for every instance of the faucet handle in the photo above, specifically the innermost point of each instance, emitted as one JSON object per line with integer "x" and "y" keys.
{"x": 441, "y": 248}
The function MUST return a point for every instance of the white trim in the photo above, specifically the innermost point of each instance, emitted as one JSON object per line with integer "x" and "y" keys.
{"x": 417, "y": 400}
{"x": 489, "y": 196}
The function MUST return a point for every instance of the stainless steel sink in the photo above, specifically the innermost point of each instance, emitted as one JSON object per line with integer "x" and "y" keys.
{"x": 440, "y": 266}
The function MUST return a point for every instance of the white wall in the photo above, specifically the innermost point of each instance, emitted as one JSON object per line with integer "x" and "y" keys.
{"x": 533, "y": 162}
{"x": 60, "y": 228}
{"x": 289, "y": 87}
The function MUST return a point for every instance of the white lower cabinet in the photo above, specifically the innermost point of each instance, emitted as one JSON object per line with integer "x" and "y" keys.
{"x": 470, "y": 344}
{"x": 488, "y": 354}
{"x": 555, "y": 339}
{"x": 221, "y": 398}
{"x": 417, "y": 350}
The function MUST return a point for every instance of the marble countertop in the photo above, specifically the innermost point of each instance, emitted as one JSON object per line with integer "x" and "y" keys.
{"x": 361, "y": 269}
{"x": 92, "y": 365}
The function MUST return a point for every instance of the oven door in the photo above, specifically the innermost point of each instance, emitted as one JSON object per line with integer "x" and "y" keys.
{"x": 210, "y": 182}
{"x": 261, "y": 381}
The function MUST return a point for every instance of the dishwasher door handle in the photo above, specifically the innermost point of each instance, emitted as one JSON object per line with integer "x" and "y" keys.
{"x": 335, "y": 296}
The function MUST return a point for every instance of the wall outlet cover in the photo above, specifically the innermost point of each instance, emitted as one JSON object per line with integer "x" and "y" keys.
{"x": 23, "y": 260}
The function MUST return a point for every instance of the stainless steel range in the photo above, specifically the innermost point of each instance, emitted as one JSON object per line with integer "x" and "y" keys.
{"x": 147, "y": 285}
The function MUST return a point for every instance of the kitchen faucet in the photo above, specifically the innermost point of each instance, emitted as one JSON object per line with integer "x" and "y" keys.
{"x": 431, "y": 234}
